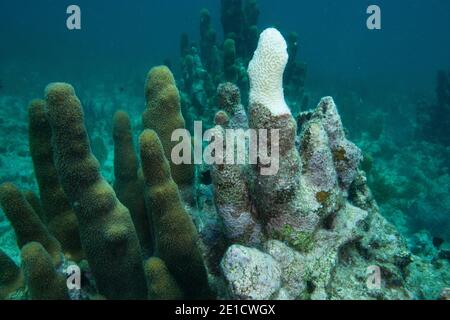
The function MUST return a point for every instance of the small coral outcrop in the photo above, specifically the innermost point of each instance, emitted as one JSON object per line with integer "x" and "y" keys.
{"x": 316, "y": 212}
{"x": 229, "y": 100}
{"x": 251, "y": 274}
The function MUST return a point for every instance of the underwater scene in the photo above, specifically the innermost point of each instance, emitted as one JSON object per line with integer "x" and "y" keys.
{"x": 224, "y": 150}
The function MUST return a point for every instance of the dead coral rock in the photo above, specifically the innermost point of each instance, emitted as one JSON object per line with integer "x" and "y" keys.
{"x": 346, "y": 154}
{"x": 251, "y": 274}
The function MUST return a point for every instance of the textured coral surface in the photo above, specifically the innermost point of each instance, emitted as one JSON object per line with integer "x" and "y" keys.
{"x": 86, "y": 186}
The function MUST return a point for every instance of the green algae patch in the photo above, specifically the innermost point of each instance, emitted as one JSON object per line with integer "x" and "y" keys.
{"x": 299, "y": 240}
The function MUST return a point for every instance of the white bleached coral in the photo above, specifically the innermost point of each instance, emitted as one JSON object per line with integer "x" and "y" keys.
{"x": 277, "y": 193}
{"x": 266, "y": 72}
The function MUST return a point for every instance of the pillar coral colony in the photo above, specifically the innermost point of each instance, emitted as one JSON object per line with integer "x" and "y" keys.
{"x": 228, "y": 147}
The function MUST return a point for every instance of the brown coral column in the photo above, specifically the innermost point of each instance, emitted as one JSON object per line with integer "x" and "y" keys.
{"x": 161, "y": 284}
{"x": 106, "y": 229}
{"x": 60, "y": 218}
{"x": 27, "y": 225}
{"x": 43, "y": 281}
{"x": 129, "y": 185}
{"x": 11, "y": 277}
{"x": 163, "y": 114}
{"x": 175, "y": 234}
